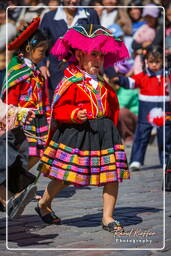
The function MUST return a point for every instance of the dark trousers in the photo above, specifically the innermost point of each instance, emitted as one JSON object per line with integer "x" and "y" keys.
{"x": 168, "y": 174}
{"x": 141, "y": 141}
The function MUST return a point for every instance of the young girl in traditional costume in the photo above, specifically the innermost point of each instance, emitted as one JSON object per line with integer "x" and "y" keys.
{"x": 85, "y": 149}
{"x": 19, "y": 194}
{"x": 25, "y": 86}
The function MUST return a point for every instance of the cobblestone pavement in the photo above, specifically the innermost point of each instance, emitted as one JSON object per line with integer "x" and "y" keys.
{"x": 139, "y": 208}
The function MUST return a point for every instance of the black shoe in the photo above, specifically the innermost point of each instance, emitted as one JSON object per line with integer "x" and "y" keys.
{"x": 113, "y": 227}
{"x": 49, "y": 218}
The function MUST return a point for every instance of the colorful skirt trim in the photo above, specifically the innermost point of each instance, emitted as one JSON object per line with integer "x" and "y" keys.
{"x": 94, "y": 160}
{"x": 36, "y": 133}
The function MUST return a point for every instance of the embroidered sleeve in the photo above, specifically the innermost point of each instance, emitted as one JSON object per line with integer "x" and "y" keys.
{"x": 65, "y": 110}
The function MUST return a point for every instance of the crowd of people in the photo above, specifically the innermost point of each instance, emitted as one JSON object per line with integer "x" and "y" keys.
{"x": 95, "y": 70}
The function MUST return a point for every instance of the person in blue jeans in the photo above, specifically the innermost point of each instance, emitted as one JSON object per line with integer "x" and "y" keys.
{"x": 153, "y": 92}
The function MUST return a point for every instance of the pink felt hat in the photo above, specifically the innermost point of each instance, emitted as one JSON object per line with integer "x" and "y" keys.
{"x": 88, "y": 38}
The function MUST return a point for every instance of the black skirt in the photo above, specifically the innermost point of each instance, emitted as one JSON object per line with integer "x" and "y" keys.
{"x": 86, "y": 154}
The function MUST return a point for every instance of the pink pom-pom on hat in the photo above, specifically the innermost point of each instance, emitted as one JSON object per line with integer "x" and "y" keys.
{"x": 90, "y": 38}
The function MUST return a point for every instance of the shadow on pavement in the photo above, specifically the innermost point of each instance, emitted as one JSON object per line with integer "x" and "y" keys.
{"x": 23, "y": 231}
{"x": 126, "y": 215}
{"x": 151, "y": 167}
{"x": 66, "y": 192}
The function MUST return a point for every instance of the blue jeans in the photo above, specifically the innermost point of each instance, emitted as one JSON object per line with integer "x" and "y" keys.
{"x": 141, "y": 141}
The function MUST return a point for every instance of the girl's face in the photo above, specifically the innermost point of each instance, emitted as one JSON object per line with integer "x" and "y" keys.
{"x": 135, "y": 14}
{"x": 91, "y": 63}
{"x": 151, "y": 21}
{"x": 37, "y": 54}
{"x": 154, "y": 64}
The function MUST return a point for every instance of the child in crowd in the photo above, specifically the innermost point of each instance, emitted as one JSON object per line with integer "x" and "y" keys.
{"x": 145, "y": 35}
{"x": 19, "y": 194}
{"x": 86, "y": 148}
{"x": 153, "y": 94}
{"x": 25, "y": 86}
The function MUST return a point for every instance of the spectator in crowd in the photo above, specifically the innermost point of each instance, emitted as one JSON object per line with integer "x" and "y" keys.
{"x": 6, "y": 25}
{"x": 112, "y": 14}
{"x": 28, "y": 13}
{"x": 135, "y": 15}
{"x": 168, "y": 36}
{"x": 14, "y": 12}
{"x": 52, "y": 5}
{"x": 2, "y": 66}
{"x": 96, "y": 4}
{"x": 145, "y": 35}
{"x": 152, "y": 94}
{"x": 55, "y": 24}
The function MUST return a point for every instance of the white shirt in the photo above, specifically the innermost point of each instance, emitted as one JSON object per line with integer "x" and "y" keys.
{"x": 93, "y": 81}
{"x": 61, "y": 15}
{"x": 107, "y": 19}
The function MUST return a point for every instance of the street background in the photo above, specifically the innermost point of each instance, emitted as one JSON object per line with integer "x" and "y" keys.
{"x": 139, "y": 208}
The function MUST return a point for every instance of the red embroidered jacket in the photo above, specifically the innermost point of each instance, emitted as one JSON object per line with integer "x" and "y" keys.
{"x": 30, "y": 93}
{"x": 79, "y": 94}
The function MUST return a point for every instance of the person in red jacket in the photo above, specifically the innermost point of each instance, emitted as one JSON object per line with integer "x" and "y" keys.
{"x": 154, "y": 99}
{"x": 25, "y": 86}
{"x": 86, "y": 147}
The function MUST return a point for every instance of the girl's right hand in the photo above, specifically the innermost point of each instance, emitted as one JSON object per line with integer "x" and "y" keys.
{"x": 82, "y": 115}
{"x": 30, "y": 116}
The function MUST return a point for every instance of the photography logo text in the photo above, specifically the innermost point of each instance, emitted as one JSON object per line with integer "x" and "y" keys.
{"x": 134, "y": 236}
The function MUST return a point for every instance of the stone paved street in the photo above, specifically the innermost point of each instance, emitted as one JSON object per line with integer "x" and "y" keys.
{"x": 139, "y": 208}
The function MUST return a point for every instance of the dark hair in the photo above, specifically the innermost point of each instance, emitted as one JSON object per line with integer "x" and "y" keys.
{"x": 134, "y": 5}
{"x": 37, "y": 39}
{"x": 155, "y": 52}
{"x": 92, "y": 3}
